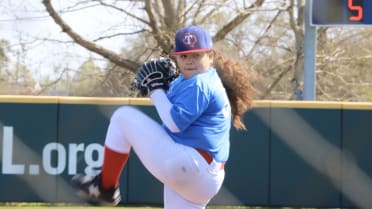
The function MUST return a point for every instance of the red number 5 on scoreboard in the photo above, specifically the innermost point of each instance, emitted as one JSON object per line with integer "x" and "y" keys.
{"x": 355, "y": 9}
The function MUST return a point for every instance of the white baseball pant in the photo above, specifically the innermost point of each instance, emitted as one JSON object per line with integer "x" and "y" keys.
{"x": 189, "y": 181}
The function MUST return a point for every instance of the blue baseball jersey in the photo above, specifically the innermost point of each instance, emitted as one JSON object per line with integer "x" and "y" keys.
{"x": 201, "y": 110}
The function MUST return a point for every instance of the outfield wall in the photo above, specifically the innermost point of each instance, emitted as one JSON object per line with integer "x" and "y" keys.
{"x": 294, "y": 153}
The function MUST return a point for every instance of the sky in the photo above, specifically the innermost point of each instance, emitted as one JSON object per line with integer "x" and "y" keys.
{"x": 28, "y": 21}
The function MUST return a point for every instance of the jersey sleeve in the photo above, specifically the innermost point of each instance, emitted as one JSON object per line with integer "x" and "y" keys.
{"x": 192, "y": 103}
{"x": 163, "y": 106}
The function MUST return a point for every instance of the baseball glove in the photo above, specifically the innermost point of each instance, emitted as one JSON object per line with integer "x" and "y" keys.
{"x": 154, "y": 74}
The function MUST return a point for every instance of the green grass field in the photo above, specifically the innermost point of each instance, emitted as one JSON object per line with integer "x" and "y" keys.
{"x": 118, "y": 207}
{"x": 64, "y": 206}
{"x": 101, "y": 207}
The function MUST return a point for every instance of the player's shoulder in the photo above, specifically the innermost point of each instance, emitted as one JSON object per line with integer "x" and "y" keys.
{"x": 208, "y": 77}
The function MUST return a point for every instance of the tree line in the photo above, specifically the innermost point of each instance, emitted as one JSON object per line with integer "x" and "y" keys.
{"x": 267, "y": 35}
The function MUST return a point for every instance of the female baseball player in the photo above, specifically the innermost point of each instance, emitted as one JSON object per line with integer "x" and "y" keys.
{"x": 188, "y": 152}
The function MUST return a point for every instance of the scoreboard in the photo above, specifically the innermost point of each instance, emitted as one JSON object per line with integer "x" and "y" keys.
{"x": 341, "y": 12}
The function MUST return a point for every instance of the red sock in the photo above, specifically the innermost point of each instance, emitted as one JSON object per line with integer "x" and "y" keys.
{"x": 113, "y": 165}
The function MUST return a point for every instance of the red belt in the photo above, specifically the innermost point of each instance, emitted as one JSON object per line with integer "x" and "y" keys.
{"x": 208, "y": 157}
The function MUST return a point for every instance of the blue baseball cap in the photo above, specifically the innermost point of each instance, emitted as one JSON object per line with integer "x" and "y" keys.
{"x": 192, "y": 39}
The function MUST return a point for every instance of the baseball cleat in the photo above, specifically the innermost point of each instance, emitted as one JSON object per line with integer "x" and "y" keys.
{"x": 90, "y": 187}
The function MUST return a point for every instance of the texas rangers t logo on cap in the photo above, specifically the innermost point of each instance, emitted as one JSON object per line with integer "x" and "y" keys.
{"x": 190, "y": 40}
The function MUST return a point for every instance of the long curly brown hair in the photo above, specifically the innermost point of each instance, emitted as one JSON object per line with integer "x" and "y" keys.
{"x": 237, "y": 79}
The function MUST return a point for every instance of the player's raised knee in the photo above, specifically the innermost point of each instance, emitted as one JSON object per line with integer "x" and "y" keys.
{"x": 124, "y": 113}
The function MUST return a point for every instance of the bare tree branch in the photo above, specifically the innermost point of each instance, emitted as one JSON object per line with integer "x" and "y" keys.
{"x": 236, "y": 21}
{"x": 298, "y": 30}
{"x": 265, "y": 31}
{"x": 275, "y": 82}
{"x": 90, "y": 45}
{"x": 170, "y": 17}
{"x": 118, "y": 34}
{"x": 124, "y": 11}
{"x": 161, "y": 37}
{"x": 50, "y": 84}
{"x": 212, "y": 11}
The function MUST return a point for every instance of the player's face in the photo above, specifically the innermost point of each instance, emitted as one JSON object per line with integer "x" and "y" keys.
{"x": 193, "y": 63}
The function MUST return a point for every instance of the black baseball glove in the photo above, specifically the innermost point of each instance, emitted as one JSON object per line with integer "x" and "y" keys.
{"x": 155, "y": 74}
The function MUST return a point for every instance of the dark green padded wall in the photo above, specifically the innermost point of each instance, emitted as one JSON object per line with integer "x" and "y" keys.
{"x": 357, "y": 143}
{"x": 34, "y": 125}
{"x": 293, "y": 181}
{"x": 247, "y": 171}
{"x": 53, "y": 141}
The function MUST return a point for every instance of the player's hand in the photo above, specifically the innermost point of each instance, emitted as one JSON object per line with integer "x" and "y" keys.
{"x": 155, "y": 74}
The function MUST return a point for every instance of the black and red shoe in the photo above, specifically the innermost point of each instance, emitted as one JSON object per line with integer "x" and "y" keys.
{"x": 90, "y": 187}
